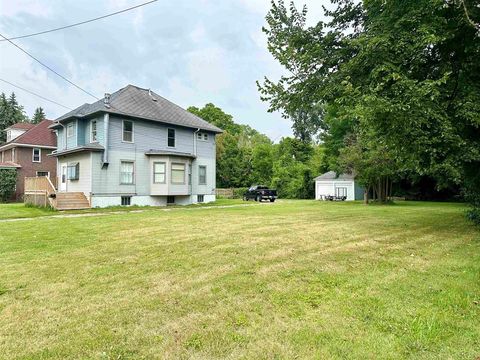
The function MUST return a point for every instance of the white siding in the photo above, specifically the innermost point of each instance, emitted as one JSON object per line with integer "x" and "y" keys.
{"x": 328, "y": 187}
{"x": 84, "y": 183}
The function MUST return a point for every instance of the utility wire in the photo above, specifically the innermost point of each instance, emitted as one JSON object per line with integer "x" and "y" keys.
{"x": 35, "y": 94}
{"x": 49, "y": 68}
{"x": 79, "y": 23}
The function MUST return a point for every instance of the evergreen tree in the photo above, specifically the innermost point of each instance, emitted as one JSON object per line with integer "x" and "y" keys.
{"x": 38, "y": 116}
{"x": 10, "y": 113}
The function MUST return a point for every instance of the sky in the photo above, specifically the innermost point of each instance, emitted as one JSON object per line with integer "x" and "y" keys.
{"x": 191, "y": 52}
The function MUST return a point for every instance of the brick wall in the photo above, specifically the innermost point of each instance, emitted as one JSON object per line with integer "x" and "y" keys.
{"x": 24, "y": 157}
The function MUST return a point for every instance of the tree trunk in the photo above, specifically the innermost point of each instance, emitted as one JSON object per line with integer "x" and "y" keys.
{"x": 365, "y": 195}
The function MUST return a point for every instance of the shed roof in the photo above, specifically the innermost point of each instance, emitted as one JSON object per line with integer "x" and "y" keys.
{"x": 145, "y": 104}
{"x": 332, "y": 175}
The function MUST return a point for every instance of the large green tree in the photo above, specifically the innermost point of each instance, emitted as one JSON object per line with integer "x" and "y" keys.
{"x": 407, "y": 72}
{"x": 11, "y": 112}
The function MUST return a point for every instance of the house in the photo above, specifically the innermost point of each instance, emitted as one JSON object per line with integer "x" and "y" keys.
{"x": 331, "y": 184}
{"x": 135, "y": 148}
{"x": 26, "y": 150}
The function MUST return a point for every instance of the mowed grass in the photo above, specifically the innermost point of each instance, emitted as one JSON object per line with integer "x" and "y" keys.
{"x": 296, "y": 279}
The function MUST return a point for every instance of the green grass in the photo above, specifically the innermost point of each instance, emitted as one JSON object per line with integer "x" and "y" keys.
{"x": 297, "y": 279}
{"x": 21, "y": 211}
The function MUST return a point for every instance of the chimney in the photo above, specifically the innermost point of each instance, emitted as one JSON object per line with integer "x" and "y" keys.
{"x": 106, "y": 100}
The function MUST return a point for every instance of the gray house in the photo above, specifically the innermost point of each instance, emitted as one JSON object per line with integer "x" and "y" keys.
{"x": 135, "y": 148}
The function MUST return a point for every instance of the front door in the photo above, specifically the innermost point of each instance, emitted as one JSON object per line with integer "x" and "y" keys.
{"x": 63, "y": 178}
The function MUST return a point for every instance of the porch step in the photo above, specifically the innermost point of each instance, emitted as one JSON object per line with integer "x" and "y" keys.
{"x": 72, "y": 201}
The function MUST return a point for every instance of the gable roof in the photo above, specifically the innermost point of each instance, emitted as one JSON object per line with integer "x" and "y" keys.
{"x": 332, "y": 175}
{"x": 40, "y": 135}
{"x": 20, "y": 126}
{"x": 145, "y": 104}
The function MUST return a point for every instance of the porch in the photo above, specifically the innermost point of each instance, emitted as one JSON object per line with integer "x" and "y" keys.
{"x": 41, "y": 191}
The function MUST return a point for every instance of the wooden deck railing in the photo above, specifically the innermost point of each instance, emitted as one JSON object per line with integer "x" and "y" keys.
{"x": 39, "y": 191}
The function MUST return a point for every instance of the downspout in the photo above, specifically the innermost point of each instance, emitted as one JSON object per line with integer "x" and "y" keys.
{"x": 106, "y": 126}
{"x": 194, "y": 153}
{"x": 59, "y": 168}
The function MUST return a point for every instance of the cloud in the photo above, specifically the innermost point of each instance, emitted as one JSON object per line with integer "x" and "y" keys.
{"x": 191, "y": 51}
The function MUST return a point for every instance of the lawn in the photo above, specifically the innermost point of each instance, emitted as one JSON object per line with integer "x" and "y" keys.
{"x": 296, "y": 279}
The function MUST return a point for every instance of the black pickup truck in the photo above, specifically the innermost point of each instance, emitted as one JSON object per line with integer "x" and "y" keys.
{"x": 259, "y": 193}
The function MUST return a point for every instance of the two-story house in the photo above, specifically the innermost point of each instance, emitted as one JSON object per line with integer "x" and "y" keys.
{"x": 26, "y": 150}
{"x": 135, "y": 148}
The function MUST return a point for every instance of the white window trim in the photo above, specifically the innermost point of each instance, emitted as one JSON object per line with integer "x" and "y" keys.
{"x": 48, "y": 172}
{"x": 202, "y": 166}
{"x": 123, "y": 132}
{"x": 133, "y": 173}
{"x": 201, "y": 136}
{"x": 164, "y": 173}
{"x": 96, "y": 131}
{"x": 39, "y": 155}
{"x": 70, "y": 126}
{"x": 171, "y": 173}
{"x": 174, "y": 138}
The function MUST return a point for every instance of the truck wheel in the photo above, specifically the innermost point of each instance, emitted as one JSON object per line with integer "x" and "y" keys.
{"x": 272, "y": 200}
{"x": 259, "y": 198}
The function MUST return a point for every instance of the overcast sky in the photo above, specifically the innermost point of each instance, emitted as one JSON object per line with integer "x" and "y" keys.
{"x": 190, "y": 51}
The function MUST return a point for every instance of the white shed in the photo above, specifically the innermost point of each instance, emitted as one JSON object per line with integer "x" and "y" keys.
{"x": 337, "y": 185}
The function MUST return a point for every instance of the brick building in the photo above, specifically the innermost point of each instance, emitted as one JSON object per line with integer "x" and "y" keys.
{"x": 26, "y": 150}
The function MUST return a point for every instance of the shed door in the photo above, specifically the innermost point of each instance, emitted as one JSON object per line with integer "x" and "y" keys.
{"x": 341, "y": 191}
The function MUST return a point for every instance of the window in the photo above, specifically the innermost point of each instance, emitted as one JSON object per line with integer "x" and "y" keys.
{"x": 127, "y": 131}
{"x": 171, "y": 137}
{"x": 73, "y": 171}
{"x": 126, "y": 200}
{"x": 70, "y": 130}
{"x": 159, "y": 172}
{"x": 341, "y": 191}
{"x": 202, "y": 175}
{"x": 13, "y": 154}
{"x": 9, "y": 135}
{"x": 178, "y": 173}
{"x": 93, "y": 131}
{"x": 202, "y": 136}
{"x": 37, "y": 155}
{"x": 43, "y": 173}
{"x": 126, "y": 172}
{"x": 200, "y": 198}
{"x": 170, "y": 199}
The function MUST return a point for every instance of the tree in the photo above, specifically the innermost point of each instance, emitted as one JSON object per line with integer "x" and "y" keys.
{"x": 38, "y": 116}
{"x": 8, "y": 178}
{"x": 10, "y": 113}
{"x": 406, "y": 71}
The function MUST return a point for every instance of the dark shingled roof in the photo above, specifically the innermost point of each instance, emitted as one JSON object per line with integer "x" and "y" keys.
{"x": 169, "y": 153}
{"x": 39, "y": 135}
{"x": 145, "y": 104}
{"x": 89, "y": 147}
{"x": 332, "y": 175}
{"x": 21, "y": 126}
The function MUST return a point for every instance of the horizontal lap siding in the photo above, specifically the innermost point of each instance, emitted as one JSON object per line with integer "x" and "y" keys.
{"x": 84, "y": 183}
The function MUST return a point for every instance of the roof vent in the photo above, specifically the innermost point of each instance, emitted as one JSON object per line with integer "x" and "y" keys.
{"x": 151, "y": 95}
{"x": 106, "y": 100}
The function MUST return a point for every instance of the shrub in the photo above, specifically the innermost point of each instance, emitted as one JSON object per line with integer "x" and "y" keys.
{"x": 8, "y": 179}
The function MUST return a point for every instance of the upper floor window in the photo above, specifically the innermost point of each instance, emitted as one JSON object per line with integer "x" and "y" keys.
{"x": 171, "y": 137}
{"x": 202, "y": 175}
{"x": 37, "y": 155}
{"x": 127, "y": 131}
{"x": 70, "y": 130}
{"x": 93, "y": 131}
{"x": 126, "y": 172}
{"x": 9, "y": 135}
{"x": 202, "y": 136}
{"x": 178, "y": 173}
{"x": 159, "y": 172}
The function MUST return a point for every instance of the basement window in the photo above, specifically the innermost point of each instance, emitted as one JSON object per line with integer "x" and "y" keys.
{"x": 126, "y": 200}
{"x": 200, "y": 198}
{"x": 170, "y": 199}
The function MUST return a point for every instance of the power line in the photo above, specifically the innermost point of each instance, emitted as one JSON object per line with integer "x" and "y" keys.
{"x": 79, "y": 23}
{"x": 35, "y": 94}
{"x": 49, "y": 68}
